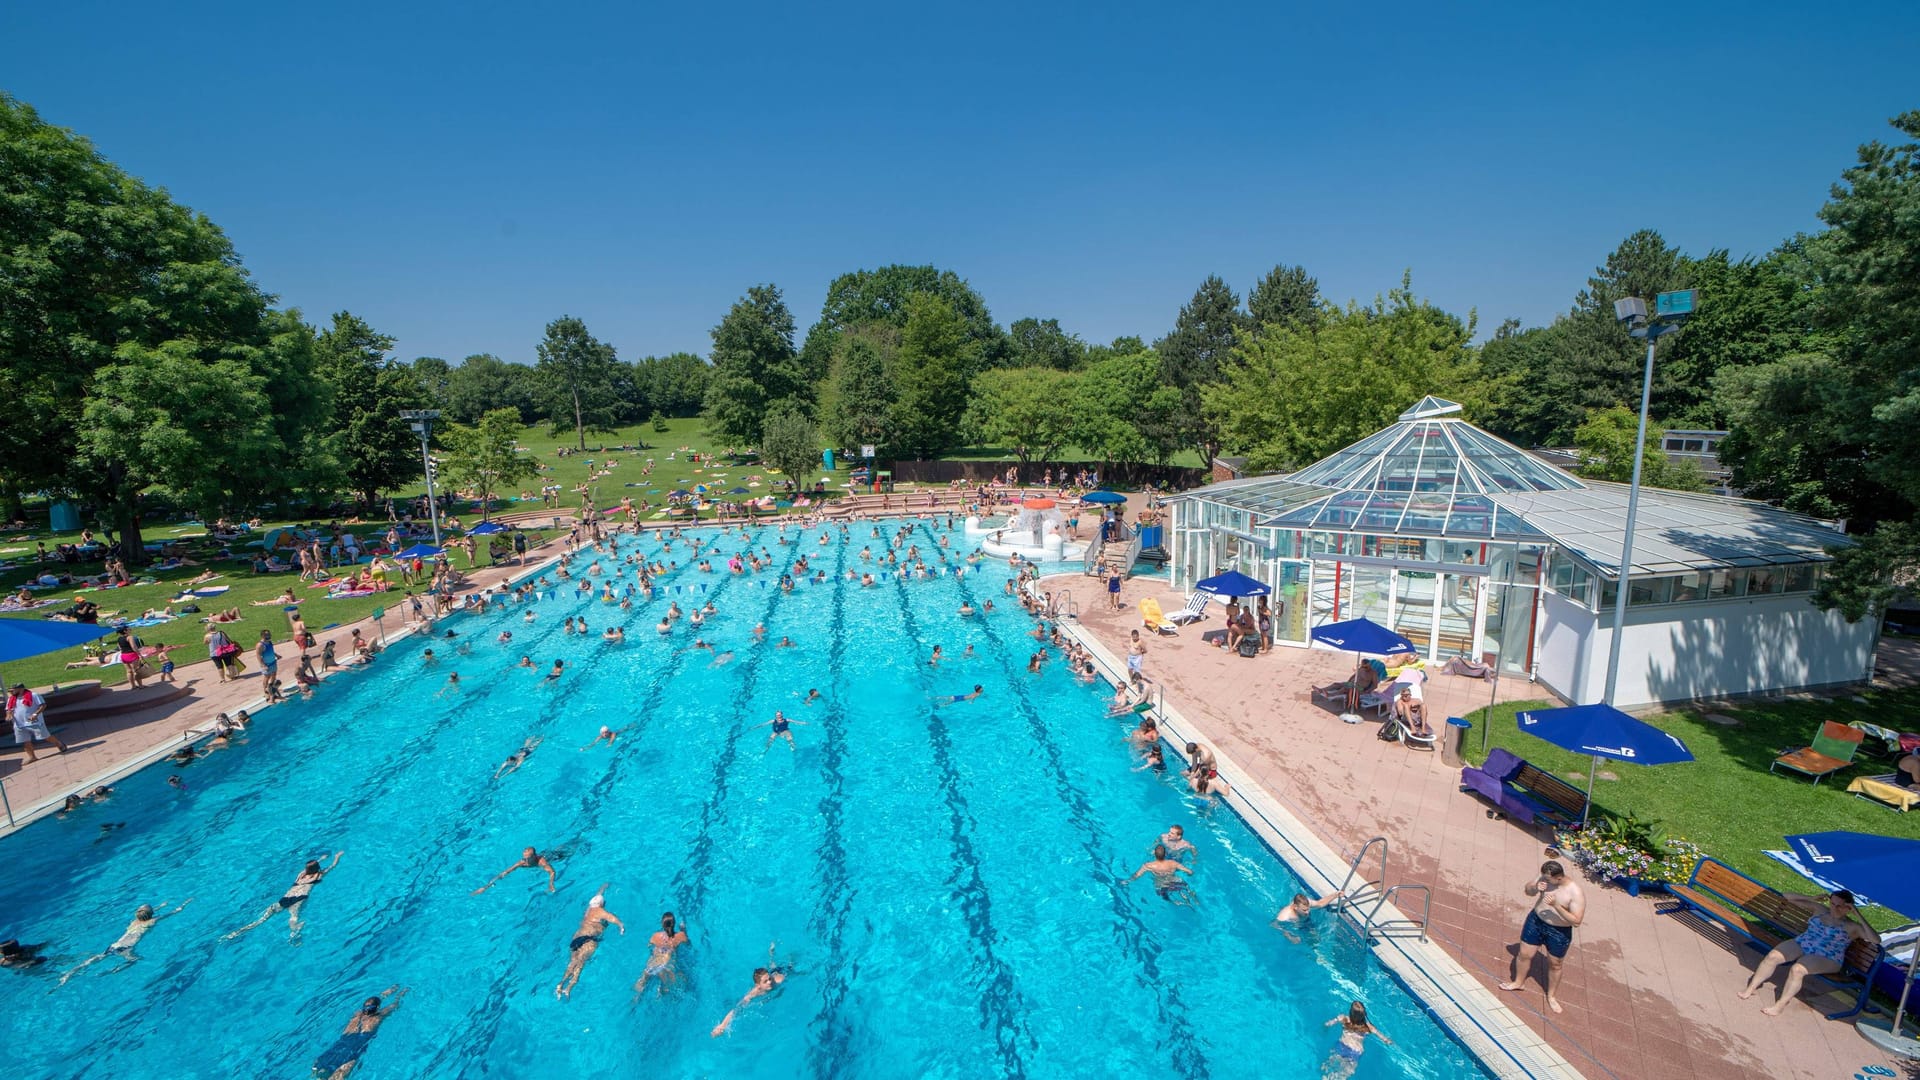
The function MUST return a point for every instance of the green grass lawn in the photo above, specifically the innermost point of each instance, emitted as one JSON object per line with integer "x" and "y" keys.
{"x": 1726, "y": 800}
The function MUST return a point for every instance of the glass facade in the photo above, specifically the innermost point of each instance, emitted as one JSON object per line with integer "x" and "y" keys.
{"x": 1416, "y": 528}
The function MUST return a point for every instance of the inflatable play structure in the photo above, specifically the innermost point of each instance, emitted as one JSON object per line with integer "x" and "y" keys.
{"x": 1036, "y": 530}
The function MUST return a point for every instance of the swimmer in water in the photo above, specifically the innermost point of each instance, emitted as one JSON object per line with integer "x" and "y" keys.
{"x": 517, "y": 758}
{"x": 1297, "y": 911}
{"x": 957, "y": 698}
{"x": 606, "y": 735}
{"x": 526, "y": 662}
{"x": 144, "y": 919}
{"x": 338, "y": 1060}
{"x": 1166, "y": 876}
{"x": 812, "y": 696}
{"x": 785, "y": 643}
{"x": 452, "y": 685}
{"x": 586, "y": 939}
{"x": 614, "y": 635}
{"x": 664, "y": 941}
{"x": 559, "y": 668}
{"x": 1175, "y": 839}
{"x": 765, "y": 981}
{"x": 934, "y": 660}
{"x": 530, "y": 859}
{"x": 1354, "y": 1030}
{"x": 781, "y": 729}
{"x": 295, "y": 899}
{"x": 966, "y": 609}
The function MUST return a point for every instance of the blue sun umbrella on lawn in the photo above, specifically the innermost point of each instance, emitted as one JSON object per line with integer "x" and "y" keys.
{"x": 486, "y": 528}
{"x": 21, "y": 638}
{"x": 1602, "y": 731}
{"x": 421, "y": 551}
{"x": 1881, "y": 867}
{"x": 737, "y": 491}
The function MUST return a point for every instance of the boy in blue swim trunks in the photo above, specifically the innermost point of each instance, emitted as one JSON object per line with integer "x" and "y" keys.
{"x": 1558, "y": 907}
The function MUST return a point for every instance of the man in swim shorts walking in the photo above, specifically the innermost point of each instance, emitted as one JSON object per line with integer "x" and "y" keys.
{"x": 1558, "y": 907}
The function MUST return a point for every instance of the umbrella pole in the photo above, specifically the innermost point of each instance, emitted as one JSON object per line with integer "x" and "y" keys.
{"x": 1906, "y": 985}
{"x": 1587, "y": 811}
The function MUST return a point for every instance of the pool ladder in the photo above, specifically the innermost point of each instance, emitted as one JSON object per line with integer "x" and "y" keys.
{"x": 1364, "y": 902}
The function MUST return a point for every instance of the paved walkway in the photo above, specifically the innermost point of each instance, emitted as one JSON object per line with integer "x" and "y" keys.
{"x": 1646, "y": 995}
{"x": 102, "y": 749}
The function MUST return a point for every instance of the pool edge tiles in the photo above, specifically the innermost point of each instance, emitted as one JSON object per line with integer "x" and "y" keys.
{"x": 1494, "y": 1034}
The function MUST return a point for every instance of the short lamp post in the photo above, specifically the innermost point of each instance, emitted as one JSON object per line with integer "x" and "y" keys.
{"x": 1670, "y": 310}
{"x": 422, "y": 422}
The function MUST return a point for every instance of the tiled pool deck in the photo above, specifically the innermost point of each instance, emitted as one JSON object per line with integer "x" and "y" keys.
{"x": 1646, "y": 995}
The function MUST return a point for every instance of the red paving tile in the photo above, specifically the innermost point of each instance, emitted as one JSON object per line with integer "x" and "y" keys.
{"x": 1647, "y": 995}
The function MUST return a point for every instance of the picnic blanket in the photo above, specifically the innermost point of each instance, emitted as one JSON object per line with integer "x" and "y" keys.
{"x": 350, "y": 593}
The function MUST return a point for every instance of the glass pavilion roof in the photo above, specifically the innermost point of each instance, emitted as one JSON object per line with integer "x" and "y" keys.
{"x": 1433, "y": 474}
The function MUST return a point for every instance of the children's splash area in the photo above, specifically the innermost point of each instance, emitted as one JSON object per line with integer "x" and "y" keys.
{"x": 936, "y": 859}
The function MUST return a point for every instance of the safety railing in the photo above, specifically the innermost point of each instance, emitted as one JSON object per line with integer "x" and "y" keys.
{"x": 1363, "y": 904}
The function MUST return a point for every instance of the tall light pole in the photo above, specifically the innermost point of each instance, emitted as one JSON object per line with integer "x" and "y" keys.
{"x": 1669, "y": 311}
{"x": 423, "y": 425}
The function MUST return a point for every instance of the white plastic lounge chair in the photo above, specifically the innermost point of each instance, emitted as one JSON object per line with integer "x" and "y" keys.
{"x": 1195, "y": 610}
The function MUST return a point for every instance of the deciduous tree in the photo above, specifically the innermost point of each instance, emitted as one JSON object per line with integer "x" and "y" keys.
{"x": 483, "y": 458}
{"x": 376, "y": 448}
{"x": 577, "y": 375}
{"x": 755, "y": 367}
{"x": 1032, "y": 411}
{"x": 937, "y": 360}
{"x": 789, "y": 442}
{"x": 1606, "y": 442}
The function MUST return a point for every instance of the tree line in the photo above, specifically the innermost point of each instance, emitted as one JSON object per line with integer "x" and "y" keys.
{"x": 138, "y": 355}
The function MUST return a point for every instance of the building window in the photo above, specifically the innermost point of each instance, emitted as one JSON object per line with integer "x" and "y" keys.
{"x": 1799, "y": 577}
{"x": 1654, "y": 590}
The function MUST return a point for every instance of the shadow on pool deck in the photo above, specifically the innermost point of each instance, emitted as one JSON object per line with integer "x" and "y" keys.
{"x": 1647, "y": 996}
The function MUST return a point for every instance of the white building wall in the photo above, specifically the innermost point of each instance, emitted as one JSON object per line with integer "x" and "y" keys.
{"x": 1708, "y": 650}
{"x": 1563, "y": 655}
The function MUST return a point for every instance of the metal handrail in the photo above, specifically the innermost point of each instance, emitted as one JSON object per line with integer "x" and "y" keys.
{"x": 1389, "y": 927}
{"x": 1354, "y": 868}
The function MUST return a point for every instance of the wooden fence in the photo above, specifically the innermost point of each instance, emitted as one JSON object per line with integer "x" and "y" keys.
{"x": 1126, "y": 474}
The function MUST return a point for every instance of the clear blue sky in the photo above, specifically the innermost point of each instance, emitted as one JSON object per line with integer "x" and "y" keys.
{"x": 460, "y": 174}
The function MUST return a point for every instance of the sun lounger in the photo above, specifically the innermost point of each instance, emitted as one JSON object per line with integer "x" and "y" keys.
{"x": 1887, "y": 791}
{"x": 1195, "y": 610}
{"x": 1832, "y": 750}
{"x": 1154, "y": 619}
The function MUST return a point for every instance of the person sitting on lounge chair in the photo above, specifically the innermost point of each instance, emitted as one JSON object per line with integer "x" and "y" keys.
{"x": 1412, "y": 712}
{"x": 1364, "y": 679}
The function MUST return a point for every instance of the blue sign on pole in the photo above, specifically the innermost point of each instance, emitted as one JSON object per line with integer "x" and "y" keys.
{"x": 1669, "y": 304}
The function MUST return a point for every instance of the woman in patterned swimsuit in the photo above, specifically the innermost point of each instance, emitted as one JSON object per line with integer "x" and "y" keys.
{"x": 1819, "y": 950}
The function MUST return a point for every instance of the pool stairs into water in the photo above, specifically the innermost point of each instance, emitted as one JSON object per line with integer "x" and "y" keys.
{"x": 1364, "y": 901}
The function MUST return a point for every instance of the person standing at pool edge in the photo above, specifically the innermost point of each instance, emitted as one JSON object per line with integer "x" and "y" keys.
{"x": 28, "y": 712}
{"x": 1558, "y": 907}
{"x": 586, "y": 939}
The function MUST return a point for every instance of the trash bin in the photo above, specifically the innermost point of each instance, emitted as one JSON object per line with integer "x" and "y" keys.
{"x": 1455, "y": 735}
{"x": 826, "y": 459}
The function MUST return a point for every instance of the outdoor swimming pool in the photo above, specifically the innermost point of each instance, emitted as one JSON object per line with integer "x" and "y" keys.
{"x": 950, "y": 882}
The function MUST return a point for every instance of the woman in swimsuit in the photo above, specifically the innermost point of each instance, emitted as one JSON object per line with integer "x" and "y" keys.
{"x": 1820, "y": 949}
{"x": 766, "y": 980}
{"x": 586, "y": 939}
{"x": 664, "y": 940}
{"x": 296, "y": 897}
{"x": 339, "y": 1059}
{"x": 781, "y": 729}
{"x": 1354, "y": 1030}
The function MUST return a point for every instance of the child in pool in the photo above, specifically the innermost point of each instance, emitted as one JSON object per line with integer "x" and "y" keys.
{"x": 1354, "y": 1030}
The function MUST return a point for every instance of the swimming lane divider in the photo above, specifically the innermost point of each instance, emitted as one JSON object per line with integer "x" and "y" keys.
{"x": 482, "y": 1025}
{"x": 1189, "y": 1056}
{"x": 831, "y": 1027}
{"x": 1001, "y": 1005}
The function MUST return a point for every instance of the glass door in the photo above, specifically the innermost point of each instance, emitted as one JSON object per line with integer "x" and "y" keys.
{"x": 1289, "y": 600}
{"x": 1414, "y": 592}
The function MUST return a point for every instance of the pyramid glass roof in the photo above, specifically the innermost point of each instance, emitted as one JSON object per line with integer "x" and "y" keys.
{"x": 1433, "y": 474}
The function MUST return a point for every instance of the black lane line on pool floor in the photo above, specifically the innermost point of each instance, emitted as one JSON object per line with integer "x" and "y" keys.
{"x": 1001, "y": 1005}
{"x": 832, "y": 1030}
{"x": 483, "y": 1024}
{"x": 1189, "y": 1056}
{"x": 377, "y": 788}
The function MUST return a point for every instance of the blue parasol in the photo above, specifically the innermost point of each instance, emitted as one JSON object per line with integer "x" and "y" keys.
{"x": 1103, "y": 497}
{"x": 486, "y": 528}
{"x": 1231, "y": 583}
{"x": 420, "y": 551}
{"x": 1362, "y": 636}
{"x": 1602, "y": 731}
{"x": 21, "y": 638}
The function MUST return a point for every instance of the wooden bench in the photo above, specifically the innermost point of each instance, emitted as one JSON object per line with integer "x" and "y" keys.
{"x": 1524, "y": 792}
{"x": 1765, "y": 918}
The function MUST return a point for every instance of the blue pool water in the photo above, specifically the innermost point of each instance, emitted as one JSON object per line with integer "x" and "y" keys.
{"x": 950, "y": 883}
